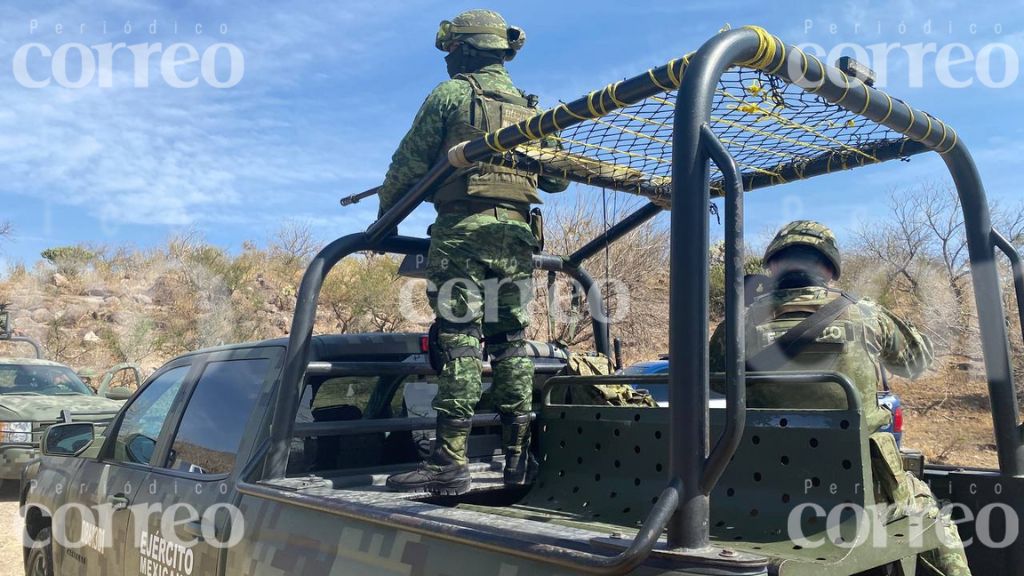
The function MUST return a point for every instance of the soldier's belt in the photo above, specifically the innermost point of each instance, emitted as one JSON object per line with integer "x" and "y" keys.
{"x": 473, "y": 208}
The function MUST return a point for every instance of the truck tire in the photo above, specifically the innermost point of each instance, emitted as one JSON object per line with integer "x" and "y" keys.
{"x": 39, "y": 561}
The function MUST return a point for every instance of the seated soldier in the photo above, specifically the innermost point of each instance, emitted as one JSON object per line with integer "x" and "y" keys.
{"x": 801, "y": 323}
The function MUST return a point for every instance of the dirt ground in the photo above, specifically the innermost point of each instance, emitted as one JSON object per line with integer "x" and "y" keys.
{"x": 10, "y": 531}
{"x": 948, "y": 417}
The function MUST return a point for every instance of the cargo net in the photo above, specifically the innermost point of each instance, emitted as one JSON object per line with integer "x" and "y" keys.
{"x": 773, "y": 130}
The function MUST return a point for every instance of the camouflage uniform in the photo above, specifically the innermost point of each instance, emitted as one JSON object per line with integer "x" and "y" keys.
{"x": 480, "y": 262}
{"x": 863, "y": 341}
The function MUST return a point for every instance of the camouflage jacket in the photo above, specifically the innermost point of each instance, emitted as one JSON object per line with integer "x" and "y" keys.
{"x": 865, "y": 339}
{"x": 422, "y": 145}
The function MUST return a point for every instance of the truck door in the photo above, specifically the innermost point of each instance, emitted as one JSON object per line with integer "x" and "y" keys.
{"x": 103, "y": 489}
{"x": 194, "y": 485}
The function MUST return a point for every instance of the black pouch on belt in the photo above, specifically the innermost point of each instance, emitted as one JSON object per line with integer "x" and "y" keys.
{"x": 537, "y": 226}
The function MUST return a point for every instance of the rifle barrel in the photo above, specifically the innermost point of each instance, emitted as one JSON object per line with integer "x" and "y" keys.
{"x": 355, "y": 198}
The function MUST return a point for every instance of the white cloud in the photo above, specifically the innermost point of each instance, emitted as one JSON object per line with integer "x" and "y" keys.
{"x": 164, "y": 156}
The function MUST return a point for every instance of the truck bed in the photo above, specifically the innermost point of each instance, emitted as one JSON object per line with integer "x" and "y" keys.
{"x": 471, "y": 510}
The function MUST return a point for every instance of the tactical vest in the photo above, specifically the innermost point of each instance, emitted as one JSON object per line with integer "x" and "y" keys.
{"x": 848, "y": 345}
{"x": 487, "y": 111}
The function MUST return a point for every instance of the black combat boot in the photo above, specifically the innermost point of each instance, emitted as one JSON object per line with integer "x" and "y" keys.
{"x": 520, "y": 465}
{"x": 446, "y": 471}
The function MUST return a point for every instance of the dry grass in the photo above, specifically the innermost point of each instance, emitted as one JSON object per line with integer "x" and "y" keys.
{"x": 948, "y": 417}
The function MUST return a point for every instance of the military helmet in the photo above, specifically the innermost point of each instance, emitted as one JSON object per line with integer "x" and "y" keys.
{"x": 807, "y": 233}
{"x": 481, "y": 29}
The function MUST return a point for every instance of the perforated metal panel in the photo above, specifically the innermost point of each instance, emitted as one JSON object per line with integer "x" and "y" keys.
{"x": 608, "y": 464}
{"x": 601, "y": 463}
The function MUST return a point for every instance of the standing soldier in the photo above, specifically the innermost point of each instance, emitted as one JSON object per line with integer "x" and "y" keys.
{"x": 481, "y": 248}
{"x": 803, "y": 324}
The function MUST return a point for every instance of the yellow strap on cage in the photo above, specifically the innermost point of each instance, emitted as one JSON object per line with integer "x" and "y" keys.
{"x": 571, "y": 113}
{"x": 953, "y": 145}
{"x": 595, "y": 113}
{"x": 888, "y": 113}
{"x": 654, "y": 80}
{"x": 554, "y": 122}
{"x": 765, "y": 50}
{"x": 846, "y": 91}
{"x": 611, "y": 94}
{"x": 944, "y": 134}
{"x": 494, "y": 143}
{"x": 824, "y": 77}
{"x": 782, "y": 61}
{"x": 676, "y": 81}
{"x": 912, "y": 119}
{"x": 867, "y": 98}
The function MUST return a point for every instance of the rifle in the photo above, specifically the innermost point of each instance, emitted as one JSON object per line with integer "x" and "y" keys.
{"x": 355, "y": 198}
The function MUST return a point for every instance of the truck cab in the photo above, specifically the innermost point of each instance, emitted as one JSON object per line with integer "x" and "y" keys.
{"x": 181, "y": 442}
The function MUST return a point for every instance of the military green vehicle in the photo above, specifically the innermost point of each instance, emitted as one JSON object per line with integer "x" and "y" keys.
{"x": 35, "y": 394}
{"x": 682, "y": 489}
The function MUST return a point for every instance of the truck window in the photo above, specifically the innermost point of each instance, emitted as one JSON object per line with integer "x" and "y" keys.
{"x": 211, "y": 428}
{"x": 140, "y": 427}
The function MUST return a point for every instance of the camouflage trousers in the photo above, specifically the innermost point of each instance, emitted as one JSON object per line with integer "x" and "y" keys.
{"x": 909, "y": 495}
{"x": 480, "y": 269}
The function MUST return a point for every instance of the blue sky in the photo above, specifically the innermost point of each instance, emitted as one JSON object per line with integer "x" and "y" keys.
{"x": 329, "y": 89}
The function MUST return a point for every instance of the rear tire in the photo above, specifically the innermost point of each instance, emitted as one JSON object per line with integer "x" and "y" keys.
{"x": 39, "y": 561}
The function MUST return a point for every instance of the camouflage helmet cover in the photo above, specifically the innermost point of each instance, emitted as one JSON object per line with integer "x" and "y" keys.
{"x": 807, "y": 233}
{"x": 481, "y": 29}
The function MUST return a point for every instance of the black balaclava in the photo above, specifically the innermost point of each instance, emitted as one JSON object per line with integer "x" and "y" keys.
{"x": 799, "y": 278}
{"x": 465, "y": 59}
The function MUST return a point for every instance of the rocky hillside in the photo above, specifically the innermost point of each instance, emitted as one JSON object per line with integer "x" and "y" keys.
{"x": 93, "y": 307}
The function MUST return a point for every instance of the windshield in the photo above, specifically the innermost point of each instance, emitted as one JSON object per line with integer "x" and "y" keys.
{"x": 29, "y": 379}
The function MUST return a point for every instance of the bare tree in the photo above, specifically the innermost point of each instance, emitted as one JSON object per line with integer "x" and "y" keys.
{"x": 925, "y": 260}
{"x": 632, "y": 275}
{"x": 6, "y": 229}
{"x": 294, "y": 243}
{"x": 896, "y": 243}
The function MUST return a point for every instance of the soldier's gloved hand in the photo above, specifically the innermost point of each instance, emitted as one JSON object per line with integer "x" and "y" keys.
{"x": 393, "y": 231}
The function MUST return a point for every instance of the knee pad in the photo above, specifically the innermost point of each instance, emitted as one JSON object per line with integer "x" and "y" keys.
{"x": 441, "y": 354}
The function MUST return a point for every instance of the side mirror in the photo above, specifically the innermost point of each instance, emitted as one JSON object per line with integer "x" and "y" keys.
{"x": 140, "y": 448}
{"x": 119, "y": 393}
{"x": 69, "y": 439}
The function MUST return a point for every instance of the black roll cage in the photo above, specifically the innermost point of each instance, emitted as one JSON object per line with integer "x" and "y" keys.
{"x": 695, "y": 464}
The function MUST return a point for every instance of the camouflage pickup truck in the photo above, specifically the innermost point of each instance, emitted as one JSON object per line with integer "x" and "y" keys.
{"x": 270, "y": 459}
{"x": 36, "y": 393}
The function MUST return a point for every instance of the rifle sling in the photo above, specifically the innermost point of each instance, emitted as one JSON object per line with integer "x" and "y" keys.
{"x": 799, "y": 337}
